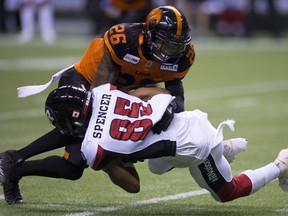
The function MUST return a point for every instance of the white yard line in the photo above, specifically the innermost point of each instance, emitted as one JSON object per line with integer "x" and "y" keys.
{"x": 140, "y": 203}
{"x": 24, "y": 114}
{"x": 237, "y": 90}
{"x": 36, "y": 63}
{"x": 146, "y": 202}
{"x": 202, "y": 94}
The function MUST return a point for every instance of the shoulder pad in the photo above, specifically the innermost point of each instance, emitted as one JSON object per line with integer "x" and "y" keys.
{"x": 123, "y": 38}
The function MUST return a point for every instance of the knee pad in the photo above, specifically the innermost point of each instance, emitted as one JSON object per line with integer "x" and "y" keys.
{"x": 72, "y": 172}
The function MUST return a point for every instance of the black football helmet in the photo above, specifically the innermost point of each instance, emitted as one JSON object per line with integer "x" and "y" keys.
{"x": 67, "y": 108}
{"x": 167, "y": 33}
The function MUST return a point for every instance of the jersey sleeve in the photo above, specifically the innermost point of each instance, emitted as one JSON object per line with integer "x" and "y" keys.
{"x": 89, "y": 63}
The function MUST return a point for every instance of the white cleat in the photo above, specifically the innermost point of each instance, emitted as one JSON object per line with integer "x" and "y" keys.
{"x": 233, "y": 147}
{"x": 282, "y": 163}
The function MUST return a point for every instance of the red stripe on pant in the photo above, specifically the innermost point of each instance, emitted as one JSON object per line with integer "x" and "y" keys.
{"x": 240, "y": 186}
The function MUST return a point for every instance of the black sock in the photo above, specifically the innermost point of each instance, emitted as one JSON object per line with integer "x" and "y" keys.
{"x": 53, "y": 166}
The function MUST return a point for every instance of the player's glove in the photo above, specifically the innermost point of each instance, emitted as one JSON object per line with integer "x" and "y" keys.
{"x": 166, "y": 119}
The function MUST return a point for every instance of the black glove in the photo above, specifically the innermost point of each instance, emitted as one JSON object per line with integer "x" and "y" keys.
{"x": 166, "y": 119}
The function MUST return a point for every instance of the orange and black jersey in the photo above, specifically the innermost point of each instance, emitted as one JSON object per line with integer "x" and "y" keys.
{"x": 129, "y": 4}
{"x": 124, "y": 42}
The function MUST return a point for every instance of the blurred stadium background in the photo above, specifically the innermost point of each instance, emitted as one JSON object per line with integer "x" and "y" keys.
{"x": 234, "y": 76}
{"x": 207, "y": 17}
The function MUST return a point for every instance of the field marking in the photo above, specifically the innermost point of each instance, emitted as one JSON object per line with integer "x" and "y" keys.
{"x": 191, "y": 95}
{"x": 36, "y": 63}
{"x": 141, "y": 203}
{"x": 24, "y": 114}
{"x": 241, "y": 45}
{"x": 281, "y": 210}
{"x": 237, "y": 90}
{"x": 201, "y": 43}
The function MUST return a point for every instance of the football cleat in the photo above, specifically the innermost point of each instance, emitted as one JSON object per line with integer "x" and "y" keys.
{"x": 7, "y": 165}
{"x": 12, "y": 193}
{"x": 282, "y": 163}
{"x": 233, "y": 147}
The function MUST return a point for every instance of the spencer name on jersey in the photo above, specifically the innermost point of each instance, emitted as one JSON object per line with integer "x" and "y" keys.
{"x": 125, "y": 43}
{"x": 102, "y": 115}
{"x": 120, "y": 124}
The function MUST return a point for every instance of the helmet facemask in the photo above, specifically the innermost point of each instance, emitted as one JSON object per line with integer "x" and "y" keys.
{"x": 167, "y": 34}
{"x": 164, "y": 47}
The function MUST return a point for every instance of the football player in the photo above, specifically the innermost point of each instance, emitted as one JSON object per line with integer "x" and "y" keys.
{"x": 130, "y": 55}
{"x": 119, "y": 128}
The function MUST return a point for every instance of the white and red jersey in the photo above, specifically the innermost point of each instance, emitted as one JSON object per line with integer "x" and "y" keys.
{"x": 121, "y": 123}
{"x": 120, "y": 127}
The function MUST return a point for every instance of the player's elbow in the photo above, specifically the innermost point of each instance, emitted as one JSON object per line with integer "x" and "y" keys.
{"x": 133, "y": 188}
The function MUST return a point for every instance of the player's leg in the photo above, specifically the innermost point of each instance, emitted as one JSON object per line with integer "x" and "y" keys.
{"x": 53, "y": 166}
{"x": 69, "y": 167}
{"x": 72, "y": 77}
{"x": 27, "y": 18}
{"x": 46, "y": 20}
{"x": 214, "y": 174}
{"x": 52, "y": 140}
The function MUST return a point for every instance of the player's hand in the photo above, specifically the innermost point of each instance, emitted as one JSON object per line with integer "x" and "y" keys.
{"x": 166, "y": 119}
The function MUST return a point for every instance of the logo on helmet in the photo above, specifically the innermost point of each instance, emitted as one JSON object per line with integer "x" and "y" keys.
{"x": 75, "y": 114}
{"x": 49, "y": 116}
{"x": 153, "y": 18}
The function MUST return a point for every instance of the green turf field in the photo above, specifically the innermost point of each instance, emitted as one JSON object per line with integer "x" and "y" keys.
{"x": 243, "y": 80}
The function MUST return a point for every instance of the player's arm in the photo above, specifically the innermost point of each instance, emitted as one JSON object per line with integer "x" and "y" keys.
{"x": 106, "y": 72}
{"x": 176, "y": 89}
{"x": 125, "y": 177}
{"x": 146, "y": 93}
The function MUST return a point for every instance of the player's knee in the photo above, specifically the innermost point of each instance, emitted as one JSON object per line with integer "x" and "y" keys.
{"x": 75, "y": 172}
{"x": 58, "y": 167}
{"x": 130, "y": 187}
